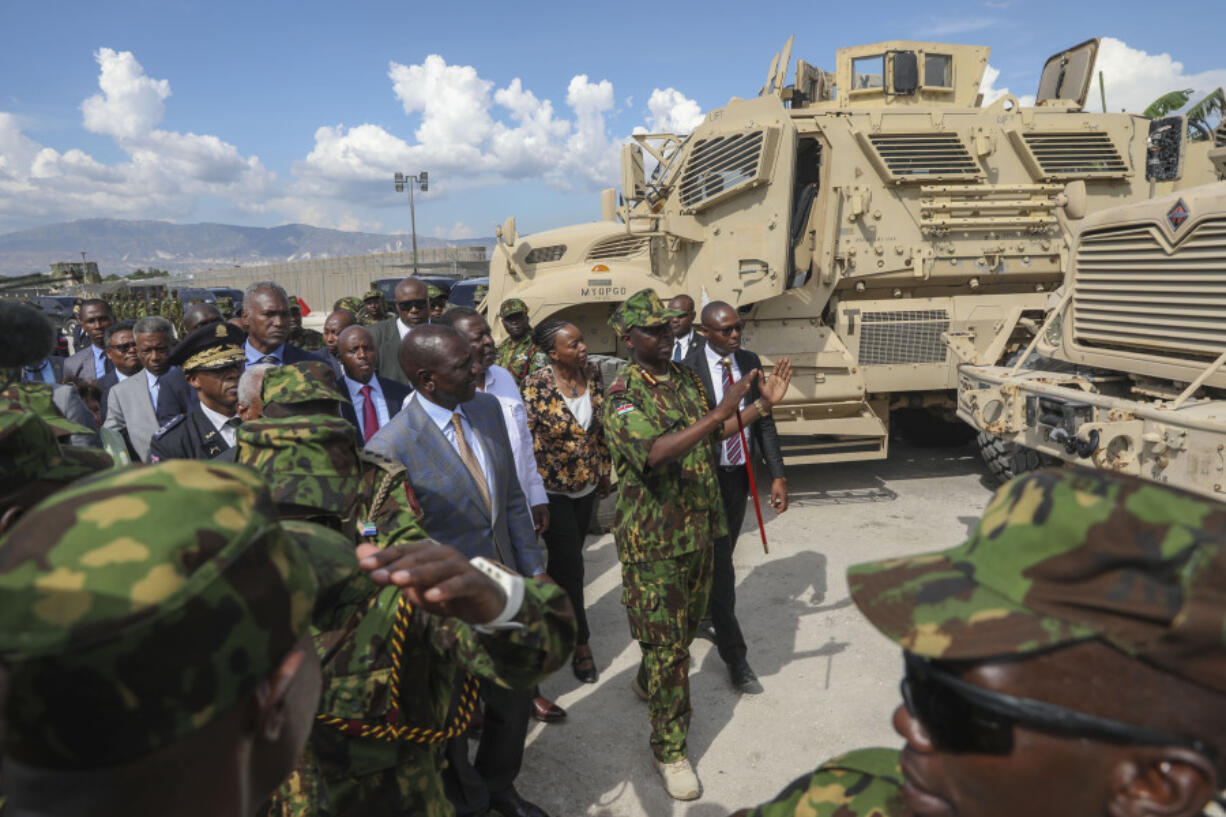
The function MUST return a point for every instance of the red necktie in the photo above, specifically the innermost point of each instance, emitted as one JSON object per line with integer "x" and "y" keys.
{"x": 370, "y": 420}
{"x": 732, "y": 446}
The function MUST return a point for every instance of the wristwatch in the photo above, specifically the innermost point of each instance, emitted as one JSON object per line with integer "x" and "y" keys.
{"x": 763, "y": 409}
{"x": 512, "y": 585}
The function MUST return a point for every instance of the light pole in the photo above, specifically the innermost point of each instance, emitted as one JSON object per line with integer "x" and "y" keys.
{"x": 423, "y": 180}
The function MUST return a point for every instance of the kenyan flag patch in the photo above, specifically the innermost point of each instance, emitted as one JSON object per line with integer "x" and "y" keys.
{"x": 624, "y": 408}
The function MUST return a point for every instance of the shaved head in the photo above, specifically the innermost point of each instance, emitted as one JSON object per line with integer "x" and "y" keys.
{"x": 714, "y": 310}
{"x": 198, "y": 315}
{"x": 439, "y": 362}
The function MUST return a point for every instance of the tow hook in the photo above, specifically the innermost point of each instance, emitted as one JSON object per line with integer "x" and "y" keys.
{"x": 1076, "y": 445}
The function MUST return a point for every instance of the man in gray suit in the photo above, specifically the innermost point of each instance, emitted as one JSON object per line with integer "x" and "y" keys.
{"x": 412, "y": 311}
{"x": 140, "y": 405}
{"x": 454, "y": 444}
{"x": 90, "y": 362}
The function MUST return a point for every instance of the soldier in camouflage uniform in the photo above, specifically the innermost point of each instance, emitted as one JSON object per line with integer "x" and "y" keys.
{"x": 517, "y": 353}
{"x": 153, "y": 638}
{"x": 225, "y": 305}
{"x": 377, "y": 745}
{"x": 301, "y": 337}
{"x": 174, "y": 311}
{"x": 372, "y": 309}
{"x": 1069, "y": 658}
{"x": 669, "y": 514}
{"x": 438, "y": 302}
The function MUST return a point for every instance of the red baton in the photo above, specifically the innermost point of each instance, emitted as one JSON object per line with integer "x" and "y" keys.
{"x": 753, "y": 485}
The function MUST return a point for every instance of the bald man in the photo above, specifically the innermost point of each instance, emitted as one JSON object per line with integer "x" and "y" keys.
{"x": 373, "y": 400}
{"x": 412, "y": 311}
{"x": 198, "y": 315}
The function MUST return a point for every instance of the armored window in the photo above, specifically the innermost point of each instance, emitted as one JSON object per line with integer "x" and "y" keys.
{"x": 545, "y": 255}
{"x": 722, "y": 166}
{"x": 866, "y": 73}
{"x": 938, "y": 71}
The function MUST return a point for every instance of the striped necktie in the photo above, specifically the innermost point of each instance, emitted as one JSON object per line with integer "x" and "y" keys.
{"x": 732, "y": 445}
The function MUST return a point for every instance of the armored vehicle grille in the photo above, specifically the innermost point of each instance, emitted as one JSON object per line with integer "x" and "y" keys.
{"x": 1134, "y": 291}
{"x": 622, "y": 246}
{"x": 924, "y": 155}
{"x": 1066, "y": 155}
{"x": 718, "y": 164}
{"x": 913, "y": 336}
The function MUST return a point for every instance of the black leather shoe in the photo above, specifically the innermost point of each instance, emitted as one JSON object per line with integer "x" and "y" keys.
{"x": 509, "y": 804}
{"x": 547, "y": 711}
{"x": 744, "y": 679}
{"x": 584, "y": 666}
{"x": 706, "y": 630}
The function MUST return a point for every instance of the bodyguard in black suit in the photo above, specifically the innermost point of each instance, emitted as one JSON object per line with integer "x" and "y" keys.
{"x": 212, "y": 358}
{"x": 374, "y": 400}
{"x": 266, "y": 317}
{"x": 412, "y": 310}
{"x": 716, "y": 358}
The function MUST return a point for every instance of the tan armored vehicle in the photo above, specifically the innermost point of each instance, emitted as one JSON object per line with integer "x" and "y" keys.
{"x": 1127, "y": 374}
{"x": 854, "y": 218}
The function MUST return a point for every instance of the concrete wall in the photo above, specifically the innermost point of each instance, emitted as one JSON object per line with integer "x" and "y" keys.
{"x": 320, "y": 282}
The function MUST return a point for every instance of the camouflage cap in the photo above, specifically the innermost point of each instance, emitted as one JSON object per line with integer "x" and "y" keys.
{"x": 307, "y": 461}
{"x": 1062, "y": 556}
{"x": 139, "y": 606}
{"x": 39, "y": 398}
{"x": 372, "y": 293}
{"x": 349, "y": 302}
{"x": 29, "y": 451}
{"x": 301, "y": 383}
{"x": 512, "y": 306}
{"x": 642, "y": 309}
{"x": 433, "y": 292}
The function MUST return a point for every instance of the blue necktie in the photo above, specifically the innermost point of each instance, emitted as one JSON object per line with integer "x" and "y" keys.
{"x": 677, "y": 351}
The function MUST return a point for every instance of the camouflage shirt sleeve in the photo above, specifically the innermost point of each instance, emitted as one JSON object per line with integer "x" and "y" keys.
{"x": 861, "y": 783}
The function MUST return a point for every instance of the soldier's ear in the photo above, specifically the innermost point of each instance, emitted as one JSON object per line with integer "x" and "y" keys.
{"x": 1162, "y": 781}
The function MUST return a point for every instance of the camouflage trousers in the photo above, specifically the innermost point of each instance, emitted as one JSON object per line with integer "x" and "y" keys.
{"x": 665, "y": 600}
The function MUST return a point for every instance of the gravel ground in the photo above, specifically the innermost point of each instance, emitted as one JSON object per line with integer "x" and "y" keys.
{"x": 831, "y": 680}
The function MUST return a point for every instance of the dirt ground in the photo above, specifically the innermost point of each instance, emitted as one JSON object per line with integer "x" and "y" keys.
{"x": 831, "y": 680}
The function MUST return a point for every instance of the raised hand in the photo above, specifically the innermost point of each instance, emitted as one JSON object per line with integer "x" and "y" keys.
{"x": 436, "y": 578}
{"x": 775, "y": 385}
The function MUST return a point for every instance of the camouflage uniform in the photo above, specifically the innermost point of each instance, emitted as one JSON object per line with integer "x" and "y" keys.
{"x": 367, "y": 316}
{"x": 519, "y": 357}
{"x": 225, "y": 305}
{"x": 667, "y": 520}
{"x": 129, "y": 619}
{"x": 173, "y": 311}
{"x": 862, "y": 783}
{"x": 377, "y": 746}
{"x": 29, "y": 451}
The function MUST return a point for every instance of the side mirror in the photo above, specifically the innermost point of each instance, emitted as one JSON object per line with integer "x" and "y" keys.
{"x": 608, "y": 204}
{"x": 507, "y": 234}
{"x": 1074, "y": 199}
{"x": 905, "y": 77}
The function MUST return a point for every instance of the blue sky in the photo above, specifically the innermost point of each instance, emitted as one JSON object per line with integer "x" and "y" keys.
{"x": 269, "y": 113}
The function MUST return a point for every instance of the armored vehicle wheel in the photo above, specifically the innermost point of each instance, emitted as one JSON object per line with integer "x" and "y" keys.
{"x": 1006, "y": 460}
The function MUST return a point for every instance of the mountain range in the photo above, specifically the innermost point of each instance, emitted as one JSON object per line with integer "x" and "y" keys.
{"x": 120, "y": 246}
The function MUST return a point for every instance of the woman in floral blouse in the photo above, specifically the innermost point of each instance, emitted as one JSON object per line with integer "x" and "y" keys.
{"x": 563, "y": 402}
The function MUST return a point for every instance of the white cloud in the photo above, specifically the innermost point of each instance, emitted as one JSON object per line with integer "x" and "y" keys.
{"x": 457, "y": 231}
{"x": 1134, "y": 78}
{"x": 672, "y": 112}
{"x": 163, "y": 176}
{"x": 991, "y": 93}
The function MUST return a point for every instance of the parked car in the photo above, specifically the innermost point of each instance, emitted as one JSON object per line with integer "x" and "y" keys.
{"x": 388, "y": 286}
{"x": 469, "y": 292}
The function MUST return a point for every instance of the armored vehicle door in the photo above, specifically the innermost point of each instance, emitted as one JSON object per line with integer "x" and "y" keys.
{"x": 1067, "y": 75}
{"x": 734, "y": 196}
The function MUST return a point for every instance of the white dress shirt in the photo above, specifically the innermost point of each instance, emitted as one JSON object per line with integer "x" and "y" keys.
{"x": 227, "y": 430}
{"x": 686, "y": 341}
{"x": 403, "y": 328}
{"x": 499, "y": 383}
{"x": 442, "y": 419}
{"x": 716, "y": 369}
{"x": 376, "y": 396}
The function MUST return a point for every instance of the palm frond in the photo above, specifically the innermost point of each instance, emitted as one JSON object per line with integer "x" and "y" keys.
{"x": 1168, "y": 102}
{"x": 1212, "y": 105}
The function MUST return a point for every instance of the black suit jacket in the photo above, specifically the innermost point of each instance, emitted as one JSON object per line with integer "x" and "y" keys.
{"x": 104, "y": 384}
{"x": 188, "y": 437}
{"x": 762, "y": 436}
{"x": 393, "y": 393}
{"x": 175, "y": 396}
{"x": 386, "y": 335}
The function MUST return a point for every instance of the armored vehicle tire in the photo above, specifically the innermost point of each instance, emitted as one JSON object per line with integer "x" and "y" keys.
{"x": 1006, "y": 460}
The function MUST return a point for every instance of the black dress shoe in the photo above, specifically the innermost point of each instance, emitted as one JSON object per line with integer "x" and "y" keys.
{"x": 509, "y": 804}
{"x": 706, "y": 630}
{"x": 547, "y": 711}
{"x": 584, "y": 667}
{"x": 744, "y": 679}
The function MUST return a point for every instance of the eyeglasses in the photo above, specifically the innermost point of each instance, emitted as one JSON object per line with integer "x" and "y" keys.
{"x": 408, "y": 306}
{"x": 963, "y": 717}
{"x": 123, "y": 348}
{"x": 725, "y": 330}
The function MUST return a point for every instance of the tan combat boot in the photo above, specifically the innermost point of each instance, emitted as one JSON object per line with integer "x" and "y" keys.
{"x": 679, "y": 779}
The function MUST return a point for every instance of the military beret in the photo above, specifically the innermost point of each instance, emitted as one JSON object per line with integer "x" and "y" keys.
{"x": 29, "y": 451}
{"x": 643, "y": 309}
{"x": 306, "y": 461}
{"x": 212, "y": 346}
{"x": 39, "y": 398}
{"x": 300, "y": 383}
{"x": 1062, "y": 556}
{"x": 139, "y": 606}
{"x": 512, "y": 306}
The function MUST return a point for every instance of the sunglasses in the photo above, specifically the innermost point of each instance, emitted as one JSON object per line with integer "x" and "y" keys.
{"x": 725, "y": 330}
{"x": 963, "y": 717}
{"x": 408, "y": 306}
{"x": 123, "y": 348}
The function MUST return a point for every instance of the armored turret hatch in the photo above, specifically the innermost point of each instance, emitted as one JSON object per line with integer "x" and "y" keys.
{"x": 1066, "y": 76}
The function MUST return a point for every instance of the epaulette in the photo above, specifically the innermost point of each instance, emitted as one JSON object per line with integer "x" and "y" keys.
{"x": 171, "y": 423}
{"x": 381, "y": 462}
